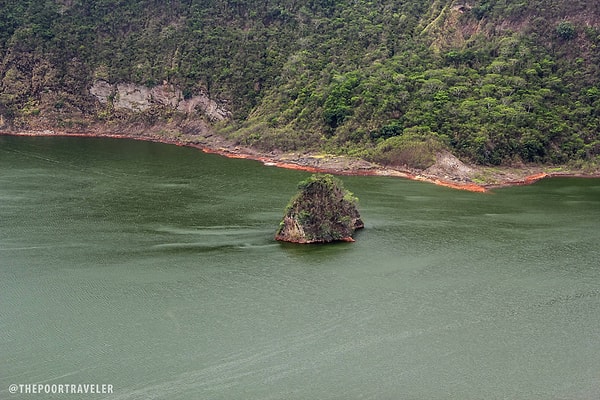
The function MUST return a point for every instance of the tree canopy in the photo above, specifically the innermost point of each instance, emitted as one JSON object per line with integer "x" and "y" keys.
{"x": 493, "y": 81}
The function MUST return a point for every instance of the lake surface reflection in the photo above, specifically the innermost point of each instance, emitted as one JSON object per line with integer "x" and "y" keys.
{"x": 153, "y": 268}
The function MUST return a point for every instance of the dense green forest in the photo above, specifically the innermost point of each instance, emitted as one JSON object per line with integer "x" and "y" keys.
{"x": 493, "y": 81}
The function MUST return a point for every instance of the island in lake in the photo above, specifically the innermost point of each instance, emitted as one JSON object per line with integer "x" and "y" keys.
{"x": 322, "y": 211}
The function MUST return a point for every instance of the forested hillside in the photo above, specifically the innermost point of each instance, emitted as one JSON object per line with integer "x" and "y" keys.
{"x": 494, "y": 81}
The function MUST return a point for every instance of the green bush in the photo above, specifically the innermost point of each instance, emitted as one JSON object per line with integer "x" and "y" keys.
{"x": 565, "y": 30}
{"x": 415, "y": 148}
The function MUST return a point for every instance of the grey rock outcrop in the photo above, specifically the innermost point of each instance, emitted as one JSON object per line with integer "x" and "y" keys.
{"x": 137, "y": 98}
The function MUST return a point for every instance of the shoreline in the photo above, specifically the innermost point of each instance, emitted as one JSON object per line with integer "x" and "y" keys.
{"x": 323, "y": 163}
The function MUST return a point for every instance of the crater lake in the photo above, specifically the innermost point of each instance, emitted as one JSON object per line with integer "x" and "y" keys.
{"x": 153, "y": 268}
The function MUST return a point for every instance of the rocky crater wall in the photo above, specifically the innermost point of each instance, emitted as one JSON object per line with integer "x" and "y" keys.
{"x": 137, "y": 98}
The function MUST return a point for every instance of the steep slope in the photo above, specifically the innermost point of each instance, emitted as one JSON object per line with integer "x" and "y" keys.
{"x": 493, "y": 81}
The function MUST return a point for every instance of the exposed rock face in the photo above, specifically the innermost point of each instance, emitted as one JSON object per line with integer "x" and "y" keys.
{"x": 447, "y": 165}
{"x": 127, "y": 96}
{"x": 323, "y": 211}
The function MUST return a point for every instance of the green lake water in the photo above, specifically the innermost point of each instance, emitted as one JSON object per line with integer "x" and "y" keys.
{"x": 153, "y": 268}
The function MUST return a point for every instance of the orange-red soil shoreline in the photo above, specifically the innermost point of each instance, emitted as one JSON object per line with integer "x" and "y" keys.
{"x": 374, "y": 170}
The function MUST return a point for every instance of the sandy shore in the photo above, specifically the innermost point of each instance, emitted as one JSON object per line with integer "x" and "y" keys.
{"x": 448, "y": 170}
